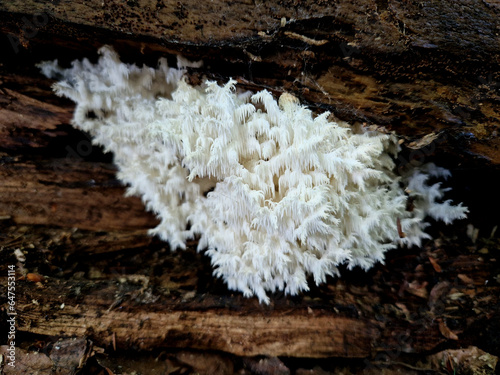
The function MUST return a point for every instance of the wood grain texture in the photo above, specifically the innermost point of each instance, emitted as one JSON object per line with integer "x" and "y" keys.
{"x": 52, "y": 194}
{"x": 59, "y": 185}
{"x": 244, "y": 334}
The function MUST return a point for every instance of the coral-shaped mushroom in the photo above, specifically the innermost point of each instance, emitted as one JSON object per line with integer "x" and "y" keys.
{"x": 275, "y": 193}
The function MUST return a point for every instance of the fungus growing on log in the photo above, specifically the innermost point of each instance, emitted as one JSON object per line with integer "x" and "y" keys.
{"x": 274, "y": 193}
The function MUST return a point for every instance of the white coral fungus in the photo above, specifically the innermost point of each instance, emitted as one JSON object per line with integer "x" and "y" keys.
{"x": 274, "y": 193}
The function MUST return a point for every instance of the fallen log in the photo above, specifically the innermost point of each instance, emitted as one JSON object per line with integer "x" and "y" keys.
{"x": 409, "y": 66}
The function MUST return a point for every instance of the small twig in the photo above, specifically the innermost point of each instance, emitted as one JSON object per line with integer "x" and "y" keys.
{"x": 306, "y": 39}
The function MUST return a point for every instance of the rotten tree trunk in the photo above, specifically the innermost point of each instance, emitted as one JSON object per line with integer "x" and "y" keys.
{"x": 419, "y": 68}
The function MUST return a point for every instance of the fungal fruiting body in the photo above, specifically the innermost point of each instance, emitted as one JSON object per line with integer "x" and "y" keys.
{"x": 274, "y": 193}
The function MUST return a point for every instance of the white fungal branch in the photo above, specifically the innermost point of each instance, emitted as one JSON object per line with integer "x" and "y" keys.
{"x": 274, "y": 193}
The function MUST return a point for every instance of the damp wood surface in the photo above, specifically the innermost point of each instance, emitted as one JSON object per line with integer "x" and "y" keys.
{"x": 419, "y": 68}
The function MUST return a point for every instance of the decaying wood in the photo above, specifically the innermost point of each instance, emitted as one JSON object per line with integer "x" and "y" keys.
{"x": 419, "y": 68}
{"x": 146, "y": 326}
{"x": 80, "y": 199}
{"x": 146, "y": 298}
{"x": 64, "y": 189}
